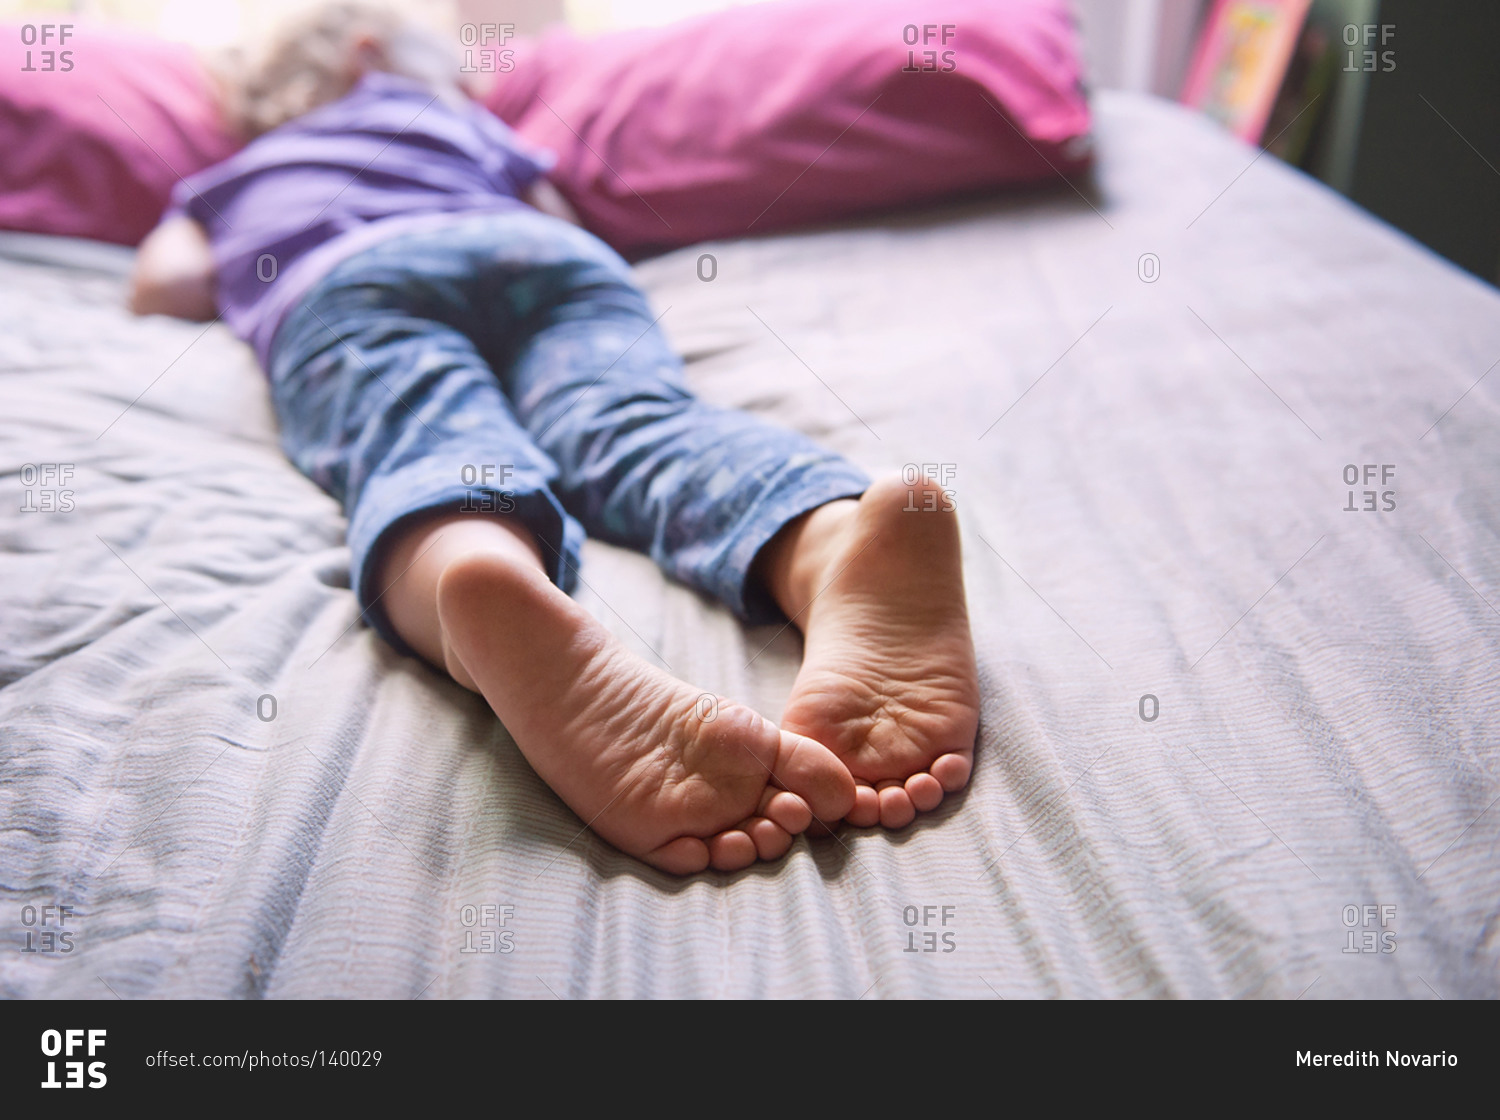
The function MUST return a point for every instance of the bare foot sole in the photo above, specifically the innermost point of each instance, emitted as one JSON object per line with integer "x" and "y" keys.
{"x": 888, "y": 680}
{"x": 681, "y": 785}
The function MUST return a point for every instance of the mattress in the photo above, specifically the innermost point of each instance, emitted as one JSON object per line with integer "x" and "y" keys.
{"x": 1239, "y": 736}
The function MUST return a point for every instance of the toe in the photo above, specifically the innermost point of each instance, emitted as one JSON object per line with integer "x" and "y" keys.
{"x": 771, "y": 840}
{"x": 814, "y": 772}
{"x": 925, "y": 791}
{"x": 732, "y": 850}
{"x": 896, "y": 809}
{"x": 786, "y": 810}
{"x": 686, "y": 855}
{"x": 952, "y": 770}
{"x": 866, "y": 811}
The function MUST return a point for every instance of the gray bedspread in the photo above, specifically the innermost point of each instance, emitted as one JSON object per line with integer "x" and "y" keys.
{"x": 1238, "y": 738}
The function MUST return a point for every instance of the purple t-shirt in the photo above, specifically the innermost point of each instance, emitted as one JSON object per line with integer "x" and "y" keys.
{"x": 387, "y": 157}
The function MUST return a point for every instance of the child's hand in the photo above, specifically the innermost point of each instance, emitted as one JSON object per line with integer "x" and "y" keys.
{"x": 174, "y": 272}
{"x": 549, "y": 200}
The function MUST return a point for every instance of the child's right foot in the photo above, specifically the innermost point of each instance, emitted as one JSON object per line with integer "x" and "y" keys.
{"x": 624, "y": 744}
{"x": 889, "y": 681}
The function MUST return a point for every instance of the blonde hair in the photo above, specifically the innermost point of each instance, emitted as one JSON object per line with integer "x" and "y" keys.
{"x": 312, "y": 61}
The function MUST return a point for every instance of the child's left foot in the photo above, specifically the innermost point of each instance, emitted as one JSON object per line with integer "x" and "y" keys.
{"x": 888, "y": 681}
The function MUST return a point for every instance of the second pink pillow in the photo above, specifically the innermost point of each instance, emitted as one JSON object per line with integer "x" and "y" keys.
{"x": 775, "y": 115}
{"x": 96, "y": 127}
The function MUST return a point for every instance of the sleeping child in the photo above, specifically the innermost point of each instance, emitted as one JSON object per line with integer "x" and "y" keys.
{"x": 427, "y": 314}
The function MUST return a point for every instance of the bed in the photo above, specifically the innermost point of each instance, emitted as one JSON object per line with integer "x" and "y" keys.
{"x": 1240, "y": 735}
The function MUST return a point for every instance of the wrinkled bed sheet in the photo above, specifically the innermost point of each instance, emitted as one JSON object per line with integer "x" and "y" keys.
{"x": 1224, "y": 714}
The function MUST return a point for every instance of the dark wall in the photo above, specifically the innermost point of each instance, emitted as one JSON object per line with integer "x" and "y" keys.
{"x": 1417, "y": 172}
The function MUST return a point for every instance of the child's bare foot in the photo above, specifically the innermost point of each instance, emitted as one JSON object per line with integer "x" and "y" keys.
{"x": 888, "y": 680}
{"x": 626, "y": 746}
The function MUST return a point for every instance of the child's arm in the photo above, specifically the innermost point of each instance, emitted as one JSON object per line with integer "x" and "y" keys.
{"x": 174, "y": 272}
{"x": 549, "y": 200}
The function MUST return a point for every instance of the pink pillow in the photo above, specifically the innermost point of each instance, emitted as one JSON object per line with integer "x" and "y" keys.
{"x": 772, "y": 115}
{"x": 93, "y": 147}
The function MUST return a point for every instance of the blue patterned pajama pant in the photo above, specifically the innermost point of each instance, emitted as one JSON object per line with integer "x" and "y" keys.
{"x": 506, "y": 363}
